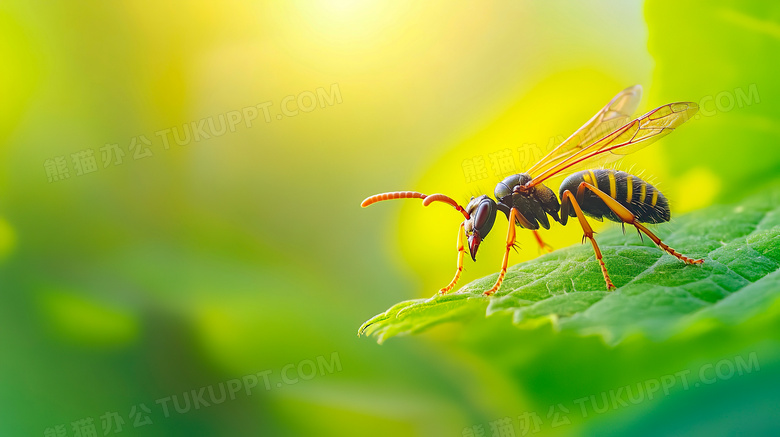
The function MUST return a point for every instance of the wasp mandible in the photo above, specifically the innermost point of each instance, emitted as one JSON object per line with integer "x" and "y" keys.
{"x": 595, "y": 192}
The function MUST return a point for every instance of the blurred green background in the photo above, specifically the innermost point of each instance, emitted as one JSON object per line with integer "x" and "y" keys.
{"x": 154, "y": 271}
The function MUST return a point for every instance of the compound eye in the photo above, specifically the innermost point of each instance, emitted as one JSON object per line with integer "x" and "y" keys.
{"x": 482, "y": 214}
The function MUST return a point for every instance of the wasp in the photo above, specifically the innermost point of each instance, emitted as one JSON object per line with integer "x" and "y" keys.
{"x": 588, "y": 190}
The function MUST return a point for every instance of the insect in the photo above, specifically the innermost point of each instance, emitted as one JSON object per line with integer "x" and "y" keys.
{"x": 591, "y": 191}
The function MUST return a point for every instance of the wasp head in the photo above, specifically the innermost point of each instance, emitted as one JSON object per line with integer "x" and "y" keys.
{"x": 482, "y": 212}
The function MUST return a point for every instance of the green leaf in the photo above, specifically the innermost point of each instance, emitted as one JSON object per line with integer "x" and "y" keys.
{"x": 657, "y": 294}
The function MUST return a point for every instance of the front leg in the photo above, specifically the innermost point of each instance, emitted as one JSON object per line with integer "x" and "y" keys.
{"x": 461, "y": 251}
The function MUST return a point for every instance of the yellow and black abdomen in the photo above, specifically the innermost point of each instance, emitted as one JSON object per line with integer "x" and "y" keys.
{"x": 642, "y": 199}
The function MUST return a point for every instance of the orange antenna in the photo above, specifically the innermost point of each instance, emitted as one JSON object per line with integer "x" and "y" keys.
{"x": 427, "y": 200}
{"x": 442, "y": 198}
{"x": 393, "y": 195}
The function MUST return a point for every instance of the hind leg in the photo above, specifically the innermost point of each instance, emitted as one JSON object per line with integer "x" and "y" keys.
{"x": 568, "y": 200}
{"x": 627, "y": 217}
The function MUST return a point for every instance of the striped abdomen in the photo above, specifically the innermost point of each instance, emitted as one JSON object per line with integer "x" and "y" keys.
{"x": 642, "y": 199}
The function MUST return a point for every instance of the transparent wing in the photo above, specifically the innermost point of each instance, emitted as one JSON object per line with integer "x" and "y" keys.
{"x": 631, "y": 137}
{"x": 615, "y": 114}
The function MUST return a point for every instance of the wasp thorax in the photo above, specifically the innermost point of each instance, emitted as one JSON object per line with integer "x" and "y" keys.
{"x": 505, "y": 188}
{"x": 482, "y": 215}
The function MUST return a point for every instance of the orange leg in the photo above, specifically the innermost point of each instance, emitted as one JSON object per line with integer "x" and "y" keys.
{"x": 461, "y": 251}
{"x": 568, "y": 199}
{"x": 629, "y": 218}
{"x": 510, "y": 241}
{"x": 543, "y": 247}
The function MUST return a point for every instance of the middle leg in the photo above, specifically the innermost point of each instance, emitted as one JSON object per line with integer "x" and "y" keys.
{"x": 543, "y": 247}
{"x": 514, "y": 217}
